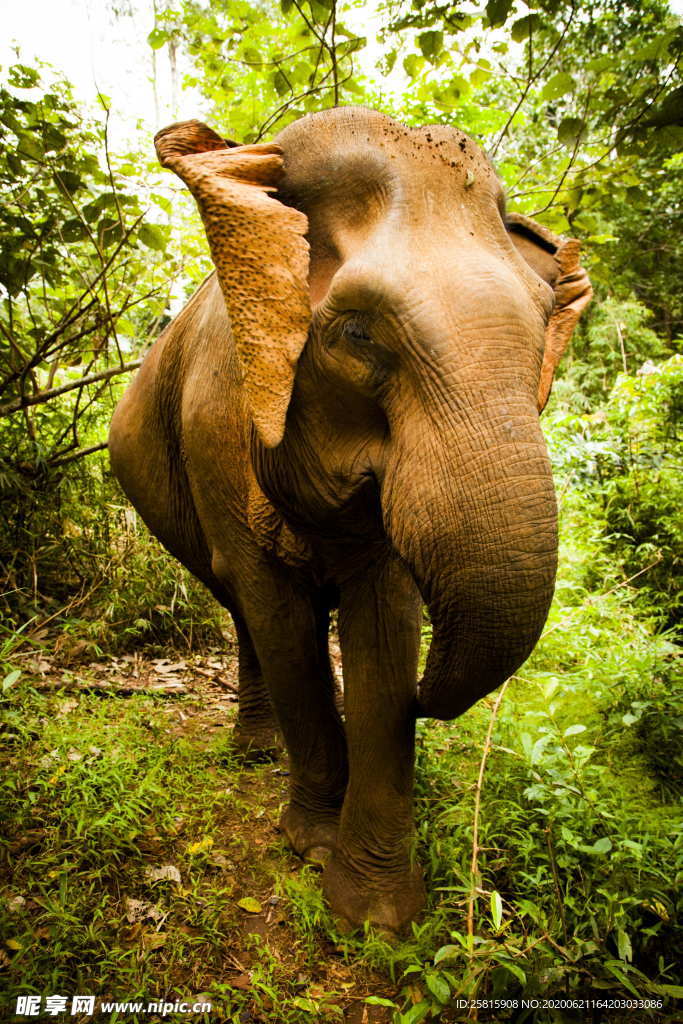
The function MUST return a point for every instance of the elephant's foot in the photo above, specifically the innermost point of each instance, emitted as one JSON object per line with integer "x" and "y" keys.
{"x": 388, "y": 900}
{"x": 313, "y": 836}
{"x": 258, "y": 743}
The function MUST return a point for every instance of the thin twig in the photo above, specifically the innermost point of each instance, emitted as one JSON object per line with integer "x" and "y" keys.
{"x": 477, "y": 806}
{"x": 80, "y": 454}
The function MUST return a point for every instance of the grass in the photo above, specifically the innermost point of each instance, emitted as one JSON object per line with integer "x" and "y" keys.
{"x": 98, "y": 792}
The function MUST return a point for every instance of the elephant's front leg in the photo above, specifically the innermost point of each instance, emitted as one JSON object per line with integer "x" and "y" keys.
{"x": 371, "y": 875}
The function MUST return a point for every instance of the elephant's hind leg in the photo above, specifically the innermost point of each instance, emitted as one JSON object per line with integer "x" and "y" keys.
{"x": 257, "y": 733}
{"x": 290, "y": 638}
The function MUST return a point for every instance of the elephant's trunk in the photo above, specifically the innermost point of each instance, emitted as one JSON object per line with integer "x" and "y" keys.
{"x": 476, "y": 523}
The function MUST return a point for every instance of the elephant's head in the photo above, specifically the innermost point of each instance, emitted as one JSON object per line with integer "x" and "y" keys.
{"x": 419, "y": 340}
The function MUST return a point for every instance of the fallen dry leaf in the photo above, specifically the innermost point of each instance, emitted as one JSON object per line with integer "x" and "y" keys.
{"x": 153, "y": 940}
{"x": 165, "y": 668}
{"x": 240, "y": 981}
{"x": 200, "y": 846}
{"x": 65, "y": 706}
{"x": 165, "y": 873}
{"x": 139, "y": 910}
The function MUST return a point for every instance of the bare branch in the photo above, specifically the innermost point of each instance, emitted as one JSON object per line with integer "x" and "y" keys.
{"x": 46, "y": 396}
{"x": 81, "y": 453}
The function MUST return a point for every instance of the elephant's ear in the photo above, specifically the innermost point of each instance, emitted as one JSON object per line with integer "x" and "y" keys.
{"x": 261, "y": 256}
{"x": 557, "y": 261}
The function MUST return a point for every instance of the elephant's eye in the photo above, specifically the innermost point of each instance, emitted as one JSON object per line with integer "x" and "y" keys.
{"x": 356, "y": 330}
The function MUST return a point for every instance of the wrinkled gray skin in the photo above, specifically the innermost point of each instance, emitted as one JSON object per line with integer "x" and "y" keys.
{"x": 412, "y": 469}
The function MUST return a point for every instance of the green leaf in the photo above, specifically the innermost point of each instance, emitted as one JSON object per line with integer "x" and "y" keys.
{"x": 558, "y": 85}
{"x": 73, "y": 230}
{"x": 280, "y": 82}
{"x": 378, "y": 1001}
{"x": 571, "y": 130}
{"x": 352, "y": 45}
{"x": 497, "y": 11}
{"x": 603, "y": 845}
{"x": 624, "y": 947}
{"x": 601, "y": 63}
{"x": 524, "y": 27}
{"x": 70, "y": 181}
{"x": 675, "y": 991}
{"x": 657, "y": 48}
{"x": 23, "y": 77}
{"x": 430, "y": 44}
{"x": 412, "y": 64}
{"x": 574, "y": 730}
{"x": 153, "y": 236}
{"x": 438, "y": 986}
{"x": 513, "y": 968}
{"x": 320, "y": 9}
{"x": 449, "y": 952}
{"x": 617, "y": 969}
{"x": 10, "y": 679}
{"x": 29, "y": 146}
{"x": 157, "y": 38}
{"x": 249, "y": 904}
{"x": 307, "y": 1005}
{"x": 496, "y": 910}
{"x": 163, "y": 201}
{"x": 415, "y": 1014}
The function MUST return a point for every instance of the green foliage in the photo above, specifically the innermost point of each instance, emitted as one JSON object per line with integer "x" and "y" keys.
{"x": 627, "y": 459}
{"x": 577, "y": 885}
{"x": 616, "y": 337}
{"x": 74, "y": 256}
{"x": 263, "y": 65}
{"x": 81, "y": 289}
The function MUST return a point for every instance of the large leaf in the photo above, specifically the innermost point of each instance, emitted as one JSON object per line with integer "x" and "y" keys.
{"x": 154, "y": 236}
{"x": 157, "y": 38}
{"x": 430, "y": 44}
{"x": 559, "y": 85}
{"x": 438, "y": 986}
{"x": 525, "y": 27}
{"x": 496, "y": 910}
{"x": 571, "y": 131}
{"x": 497, "y": 11}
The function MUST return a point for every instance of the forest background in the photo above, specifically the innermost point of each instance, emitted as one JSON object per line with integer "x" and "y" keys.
{"x": 547, "y": 815}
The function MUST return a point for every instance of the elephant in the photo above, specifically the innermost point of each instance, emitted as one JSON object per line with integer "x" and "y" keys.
{"x": 345, "y": 415}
